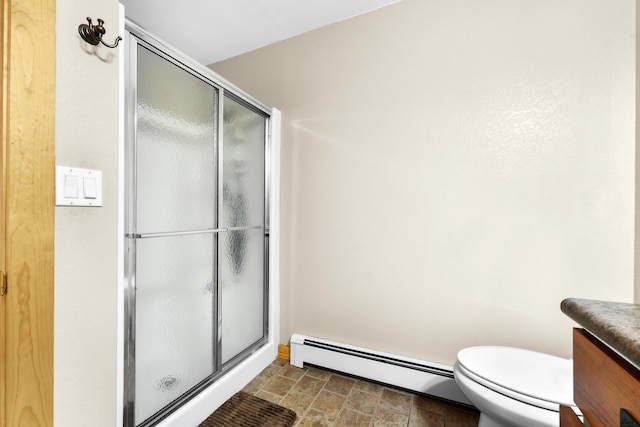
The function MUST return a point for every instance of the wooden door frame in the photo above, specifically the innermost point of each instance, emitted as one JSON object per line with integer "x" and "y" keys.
{"x": 27, "y": 211}
{"x": 3, "y": 192}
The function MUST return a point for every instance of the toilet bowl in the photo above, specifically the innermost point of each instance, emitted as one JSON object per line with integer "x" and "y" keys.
{"x": 513, "y": 387}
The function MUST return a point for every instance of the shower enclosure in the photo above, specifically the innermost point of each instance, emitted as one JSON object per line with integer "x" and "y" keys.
{"x": 197, "y": 228}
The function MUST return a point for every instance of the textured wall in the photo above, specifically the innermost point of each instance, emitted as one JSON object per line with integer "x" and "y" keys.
{"x": 452, "y": 170}
{"x": 85, "y": 242}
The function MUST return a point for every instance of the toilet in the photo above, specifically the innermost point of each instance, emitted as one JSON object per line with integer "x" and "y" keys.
{"x": 514, "y": 387}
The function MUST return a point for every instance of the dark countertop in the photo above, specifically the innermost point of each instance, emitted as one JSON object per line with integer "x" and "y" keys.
{"x": 614, "y": 323}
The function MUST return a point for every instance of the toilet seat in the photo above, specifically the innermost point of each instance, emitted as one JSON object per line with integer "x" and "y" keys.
{"x": 530, "y": 377}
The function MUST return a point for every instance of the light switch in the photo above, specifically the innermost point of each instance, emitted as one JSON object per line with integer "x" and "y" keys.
{"x": 78, "y": 187}
{"x": 71, "y": 186}
{"x": 90, "y": 190}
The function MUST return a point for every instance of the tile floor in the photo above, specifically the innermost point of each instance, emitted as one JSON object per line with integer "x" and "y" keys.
{"x": 326, "y": 399}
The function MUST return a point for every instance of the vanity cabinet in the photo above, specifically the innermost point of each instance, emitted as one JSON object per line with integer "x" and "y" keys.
{"x": 604, "y": 383}
{"x": 568, "y": 418}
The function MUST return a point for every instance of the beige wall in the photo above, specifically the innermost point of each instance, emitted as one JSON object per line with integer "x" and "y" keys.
{"x": 452, "y": 170}
{"x": 637, "y": 199}
{"x": 85, "y": 243}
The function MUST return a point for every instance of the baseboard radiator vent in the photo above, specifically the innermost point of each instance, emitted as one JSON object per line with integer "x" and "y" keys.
{"x": 398, "y": 371}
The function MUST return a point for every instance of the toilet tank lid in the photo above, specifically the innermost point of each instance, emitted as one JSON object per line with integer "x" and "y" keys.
{"x": 538, "y": 375}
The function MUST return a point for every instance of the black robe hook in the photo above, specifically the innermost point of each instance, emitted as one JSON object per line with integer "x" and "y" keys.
{"x": 92, "y": 34}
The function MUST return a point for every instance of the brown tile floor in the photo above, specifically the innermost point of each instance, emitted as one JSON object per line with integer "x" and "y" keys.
{"x": 326, "y": 399}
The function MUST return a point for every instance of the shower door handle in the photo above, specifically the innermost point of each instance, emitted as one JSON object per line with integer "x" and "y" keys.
{"x": 175, "y": 233}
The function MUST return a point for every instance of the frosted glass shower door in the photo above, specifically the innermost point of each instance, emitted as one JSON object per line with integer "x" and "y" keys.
{"x": 196, "y": 228}
{"x": 242, "y": 212}
{"x": 175, "y": 217}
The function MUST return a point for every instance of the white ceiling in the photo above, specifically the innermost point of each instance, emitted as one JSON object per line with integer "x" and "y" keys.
{"x": 213, "y": 30}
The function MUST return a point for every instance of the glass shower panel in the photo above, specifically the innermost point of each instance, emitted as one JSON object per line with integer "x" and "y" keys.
{"x": 175, "y": 191}
{"x": 174, "y": 319}
{"x": 175, "y": 164}
{"x": 241, "y": 250}
{"x": 243, "y": 166}
{"x": 241, "y": 278}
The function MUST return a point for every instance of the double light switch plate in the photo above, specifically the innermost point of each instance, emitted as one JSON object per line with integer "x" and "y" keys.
{"x": 78, "y": 187}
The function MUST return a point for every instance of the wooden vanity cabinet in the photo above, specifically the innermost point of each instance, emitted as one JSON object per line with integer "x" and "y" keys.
{"x": 603, "y": 383}
{"x": 568, "y": 418}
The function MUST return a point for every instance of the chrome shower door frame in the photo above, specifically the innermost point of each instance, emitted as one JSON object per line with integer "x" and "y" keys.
{"x": 136, "y": 36}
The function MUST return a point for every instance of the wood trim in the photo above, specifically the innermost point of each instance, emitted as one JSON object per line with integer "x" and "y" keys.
{"x": 3, "y": 191}
{"x": 284, "y": 352}
{"x": 28, "y": 168}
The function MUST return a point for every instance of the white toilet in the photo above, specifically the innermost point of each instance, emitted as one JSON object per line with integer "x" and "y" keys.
{"x": 513, "y": 387}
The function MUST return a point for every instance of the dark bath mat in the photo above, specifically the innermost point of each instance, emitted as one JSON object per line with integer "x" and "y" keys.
{"x": 246, "y": 410}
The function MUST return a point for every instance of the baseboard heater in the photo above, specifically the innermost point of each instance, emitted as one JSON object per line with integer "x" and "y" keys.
{"x": 398, "y": 371}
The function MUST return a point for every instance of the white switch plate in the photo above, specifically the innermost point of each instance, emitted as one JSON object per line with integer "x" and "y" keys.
{"x": 78, "y": 187}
